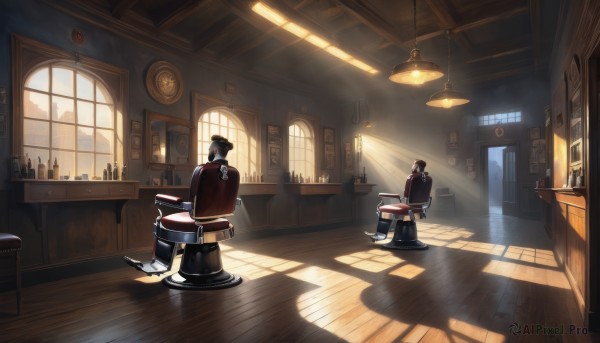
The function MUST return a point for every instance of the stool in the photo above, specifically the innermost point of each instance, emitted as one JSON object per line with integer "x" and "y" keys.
{"x": 10, "y": 245}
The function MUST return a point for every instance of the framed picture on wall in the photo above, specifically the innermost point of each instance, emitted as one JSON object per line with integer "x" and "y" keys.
{"x": 348, "y": 157}
{"x": 534, "y": 133}
{"x": 136, "y": 126}
{"x": 274, "y": 149}
{"x": 329, "y": 148}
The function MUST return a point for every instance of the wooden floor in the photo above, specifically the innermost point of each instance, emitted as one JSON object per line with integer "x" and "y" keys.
{"x": 478, "y": 280}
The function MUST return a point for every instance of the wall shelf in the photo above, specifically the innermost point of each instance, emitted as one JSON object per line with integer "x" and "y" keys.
{"x": 261, "y": 188}
{"x": 314, "y": 188}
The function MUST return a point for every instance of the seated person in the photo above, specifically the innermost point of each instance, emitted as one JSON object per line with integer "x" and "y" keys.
{"x": 418, "y": 169}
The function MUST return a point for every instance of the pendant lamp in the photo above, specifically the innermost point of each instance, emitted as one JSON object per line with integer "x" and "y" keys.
{"x": 448, "y": 97}
{"x": 415, "y": 71}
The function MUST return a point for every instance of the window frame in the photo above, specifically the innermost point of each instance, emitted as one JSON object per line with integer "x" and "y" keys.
{"x": 51, "y": 93}
{"x": 29, "y": 55}
{"x": 506, "y": 113}
{"x": 312, "y": 124}
{"x": 246, "y": 115}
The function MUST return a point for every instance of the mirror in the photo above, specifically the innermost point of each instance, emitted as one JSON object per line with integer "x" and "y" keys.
{"x": 168, "y": 140}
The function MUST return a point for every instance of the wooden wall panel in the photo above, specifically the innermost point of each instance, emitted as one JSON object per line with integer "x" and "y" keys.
{"x": 559, "y": 230}
{"x": 576, "y": 248}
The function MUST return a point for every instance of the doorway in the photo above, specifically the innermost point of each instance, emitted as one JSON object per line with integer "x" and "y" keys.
{"x": 502, "y": 180}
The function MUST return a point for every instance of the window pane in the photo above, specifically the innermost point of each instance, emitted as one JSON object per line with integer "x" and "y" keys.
{"x": 102, "y": 94}
{"x": 62, "y": 81}
{"x": 85, "y": 164}
{"x": 104, "y": 141}
{"x": 39, "y": 80}
{"x": 63, "y": 109}
{"x": 65, "y": 160}
{"x": 36, "y": 133}
{"x": 85, "y": 87}
{"x": 85, "y": 138}
{"x": 63, "y": 136}
{"x": 104, "y": 116}
{"x": 85, "y": 113}
{"x": 35, "y": 105}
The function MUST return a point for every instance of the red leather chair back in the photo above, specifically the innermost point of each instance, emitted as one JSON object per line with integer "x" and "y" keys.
{"x": 214, "y": 190}
{"x": 419, "y": 188}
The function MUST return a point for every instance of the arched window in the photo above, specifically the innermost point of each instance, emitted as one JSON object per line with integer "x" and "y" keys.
{"x": 219, "y": 121}
{"x": 301, "y": 149}
{"x": 69, "y": 115}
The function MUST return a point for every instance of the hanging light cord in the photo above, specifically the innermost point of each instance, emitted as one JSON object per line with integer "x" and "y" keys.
{"x": 415, "y": 20}
{"x": 448, "y": 35}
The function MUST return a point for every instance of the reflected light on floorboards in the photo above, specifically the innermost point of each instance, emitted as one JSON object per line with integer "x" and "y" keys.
{"x": 466, "y": 332}
{"x": 516, "y": 271}
{"x": 333, "y": 305}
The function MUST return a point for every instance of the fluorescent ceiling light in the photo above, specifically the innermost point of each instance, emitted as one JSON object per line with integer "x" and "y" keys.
{"x": 280, "y": 20}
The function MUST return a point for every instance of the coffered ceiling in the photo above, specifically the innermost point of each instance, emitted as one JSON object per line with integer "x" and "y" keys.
{"x": 491, "y": 40}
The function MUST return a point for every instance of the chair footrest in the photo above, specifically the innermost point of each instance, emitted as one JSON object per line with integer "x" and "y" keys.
{"x": 150, "y": 268}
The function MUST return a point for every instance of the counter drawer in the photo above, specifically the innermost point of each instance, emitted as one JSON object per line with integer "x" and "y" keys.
{"x": 124, "y": 190}
{"x": 41, "y": 193}
{"x": 87, "y": 191}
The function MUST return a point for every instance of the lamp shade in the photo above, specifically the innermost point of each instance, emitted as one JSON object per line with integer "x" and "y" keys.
{"x": 415, "y": 71}
{"x": 447, "y": 98}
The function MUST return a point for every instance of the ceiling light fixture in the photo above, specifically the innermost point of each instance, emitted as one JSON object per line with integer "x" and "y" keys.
{"x": 415, "y": 71}
{"x": 447, "y": 98}
{"x": 280, "y": 20}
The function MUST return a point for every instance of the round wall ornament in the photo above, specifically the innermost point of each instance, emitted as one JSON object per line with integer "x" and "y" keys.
{"x": 499, "y": 131}
{"x": 163, "y": 81}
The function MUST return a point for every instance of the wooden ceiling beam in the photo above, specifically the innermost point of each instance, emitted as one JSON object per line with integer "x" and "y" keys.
{"x": 217, "y": 30}
{"x": 491, "y": 19}
{"x": 494, "y": 77}
{"x": 178, "y": 14}
{"x": 474, "y": 24}
{"x": 121, "y": 7}
{"x": 499, "y": 54}
{"x": 367, "y": 16}
{"x": 536, "y": 31}
{"x": 448, "y": 20}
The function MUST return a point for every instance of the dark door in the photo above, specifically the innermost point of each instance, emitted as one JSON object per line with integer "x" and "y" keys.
{"x": 509, "y": 181}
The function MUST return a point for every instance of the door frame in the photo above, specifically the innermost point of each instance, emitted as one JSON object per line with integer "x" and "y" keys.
{"x": 484, "y": 184}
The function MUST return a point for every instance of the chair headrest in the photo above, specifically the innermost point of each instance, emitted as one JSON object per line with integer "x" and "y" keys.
{"x": 419, "y": 188}
{"x": 214, "y": 190}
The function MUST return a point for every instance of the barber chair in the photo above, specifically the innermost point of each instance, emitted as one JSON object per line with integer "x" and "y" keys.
{"x": 394, "y": 215}
{"x": 200, "y": 225}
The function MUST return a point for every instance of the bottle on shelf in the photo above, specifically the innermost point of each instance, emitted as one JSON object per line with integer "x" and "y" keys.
{"x": 56, "y": 169}
{"x": 116, "y": 172}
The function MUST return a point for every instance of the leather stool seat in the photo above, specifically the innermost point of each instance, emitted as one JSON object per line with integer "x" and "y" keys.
{"x": 9, "y": 242}
{"x": 11, "y": 245}
{"x": 182, "y": 221}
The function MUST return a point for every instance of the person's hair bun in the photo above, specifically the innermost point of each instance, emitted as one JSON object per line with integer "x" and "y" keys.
{"x": 222, "y": 141}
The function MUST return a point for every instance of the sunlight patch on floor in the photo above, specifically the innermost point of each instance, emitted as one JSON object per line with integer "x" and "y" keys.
{"x": 408, "y": 271}
{"x": 461, "y": 330}
{"x": 537, "y": 256}
{"x": 486, "y": 248}
{"x": 373, "y": 261}
{"x": 517, "y": 271}
{"x": 332, "y": 305}
{"x": 255, "y": 266}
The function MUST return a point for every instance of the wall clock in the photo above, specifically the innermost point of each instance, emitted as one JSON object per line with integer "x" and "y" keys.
{"x": 164, "y": 83}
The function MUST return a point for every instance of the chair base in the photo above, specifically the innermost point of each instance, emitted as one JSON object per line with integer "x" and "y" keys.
{"x": 202, "y": 268}
{"x": 220, "y": 280}
{"x": 405, "y": 237}
{"x": 406, "y": 245}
